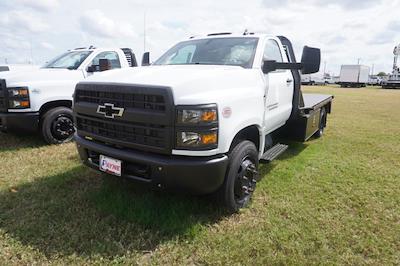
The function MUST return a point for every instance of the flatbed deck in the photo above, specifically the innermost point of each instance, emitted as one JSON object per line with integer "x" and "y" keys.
{"x": 313, "y": 101}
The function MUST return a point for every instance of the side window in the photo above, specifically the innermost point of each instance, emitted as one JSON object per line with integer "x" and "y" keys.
{"x": 272, "y": 51}
{"x": 112, "y": 56}
{"x": 183, "y": 55}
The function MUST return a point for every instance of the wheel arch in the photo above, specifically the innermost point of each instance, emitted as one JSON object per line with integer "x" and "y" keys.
{"x": 53, "y": 104}
{"x": 251, "y": 133}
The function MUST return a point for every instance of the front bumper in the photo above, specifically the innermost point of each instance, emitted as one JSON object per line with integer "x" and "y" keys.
{"x": 19, "y": 122}
{"x": 196, "y": 175}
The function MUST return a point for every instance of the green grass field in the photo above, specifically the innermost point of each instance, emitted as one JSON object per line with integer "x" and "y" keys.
{"x": 334, "y": 200}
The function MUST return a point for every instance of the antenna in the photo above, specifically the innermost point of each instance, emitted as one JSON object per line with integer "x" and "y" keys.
{"x": 144, "y": 32}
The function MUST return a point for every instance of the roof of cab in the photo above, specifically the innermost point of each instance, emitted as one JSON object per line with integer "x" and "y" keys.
{"x": 245, "y": 34}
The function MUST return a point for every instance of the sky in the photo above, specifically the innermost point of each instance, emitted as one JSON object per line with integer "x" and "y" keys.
{"x": 347, "y": 31}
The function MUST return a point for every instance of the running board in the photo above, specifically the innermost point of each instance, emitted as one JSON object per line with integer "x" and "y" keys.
{"x": 272, "y": 153}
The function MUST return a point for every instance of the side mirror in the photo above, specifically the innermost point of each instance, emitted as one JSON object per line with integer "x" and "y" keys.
{"x": 104, "y": 64}
{"x": 91, "y": 69}
{"x": 269, "y": 66}
{"x": 310, "y": 60}
{"x": 146, "y": 59}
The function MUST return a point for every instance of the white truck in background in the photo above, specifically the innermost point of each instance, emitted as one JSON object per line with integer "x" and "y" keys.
{"x": 393, "y": 80}
{"x": 40, "y": 100}
{"x": 203, "y": 116}
{"x": 317, "y": 79}
{"x": 18, "y": 67}
{"x": 354, "y": 76}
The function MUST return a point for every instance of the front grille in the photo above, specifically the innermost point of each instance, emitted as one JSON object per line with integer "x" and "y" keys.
{"x": 146, "y": 123}
{"x": 138, "y": 133}
{"x": 3, "y": 96}
{"x": 125, "y": 100}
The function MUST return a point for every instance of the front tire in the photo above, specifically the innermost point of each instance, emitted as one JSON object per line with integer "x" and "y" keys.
{"x": 241, "y": 177}
{"x": 58, "y": 126}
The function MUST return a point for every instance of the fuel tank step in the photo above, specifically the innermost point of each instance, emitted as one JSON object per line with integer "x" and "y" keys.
{"x": 274, "y": 152}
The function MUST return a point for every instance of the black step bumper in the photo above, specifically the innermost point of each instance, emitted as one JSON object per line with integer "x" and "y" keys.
{"x": 19, "y": 122}
{"x": 195, "y": 175}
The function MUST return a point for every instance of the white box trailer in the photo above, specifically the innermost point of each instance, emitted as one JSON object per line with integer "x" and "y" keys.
{"x": 354, "y": 76}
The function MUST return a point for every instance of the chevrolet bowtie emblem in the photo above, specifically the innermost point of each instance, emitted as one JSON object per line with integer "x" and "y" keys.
{"x": 109, "y": 110}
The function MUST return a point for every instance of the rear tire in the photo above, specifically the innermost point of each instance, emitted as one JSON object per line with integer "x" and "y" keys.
{"x": 57, "y": 125}
{"x": 322, "y": 124}
{"x": 241, "y": 177}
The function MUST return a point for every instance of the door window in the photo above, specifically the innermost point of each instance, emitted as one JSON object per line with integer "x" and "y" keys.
{"x": 111, "y": 56}
{"x": 272, "y": 51}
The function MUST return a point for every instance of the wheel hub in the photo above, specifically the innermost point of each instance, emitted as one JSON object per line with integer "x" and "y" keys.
{"x": 246, "y": 180}
{"x": 63, "y": 128}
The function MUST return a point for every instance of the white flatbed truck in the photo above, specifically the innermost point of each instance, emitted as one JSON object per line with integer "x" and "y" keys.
{"x": 203, "y": 116}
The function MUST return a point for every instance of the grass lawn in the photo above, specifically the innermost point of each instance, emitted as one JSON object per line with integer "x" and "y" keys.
{"x": 334, "y": 200}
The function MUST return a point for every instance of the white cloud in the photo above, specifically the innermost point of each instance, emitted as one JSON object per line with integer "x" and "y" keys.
{"x": 351, "y": 4}
{"x": 47, "y": 45}
{"x": 40, "y": 5}
{"x": 345, "y": 29}
{"x": 23, "y": 21}
{"x": 96, "y": 23}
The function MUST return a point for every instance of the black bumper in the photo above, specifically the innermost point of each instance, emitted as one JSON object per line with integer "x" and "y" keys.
{"x": 196, "y": 175}
{"x": 19, "y": 122}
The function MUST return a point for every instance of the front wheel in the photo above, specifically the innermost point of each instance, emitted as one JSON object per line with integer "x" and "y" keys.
{"x": 241, "y": 177}
{"x": 58, "y": 126}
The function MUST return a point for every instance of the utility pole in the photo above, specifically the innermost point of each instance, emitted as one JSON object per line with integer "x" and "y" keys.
{"x": 324, "y": 68}
{"x": 373, "y": 65}
{"x": 358, "y": 62}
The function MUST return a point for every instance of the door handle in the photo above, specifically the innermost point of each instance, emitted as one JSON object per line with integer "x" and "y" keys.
{"x": 289, "y": 80}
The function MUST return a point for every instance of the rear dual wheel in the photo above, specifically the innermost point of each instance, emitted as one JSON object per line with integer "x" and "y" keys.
{"x": 241, "y": 177}
{"x": 58, "y": 125}
{"x": 322, "y": 124}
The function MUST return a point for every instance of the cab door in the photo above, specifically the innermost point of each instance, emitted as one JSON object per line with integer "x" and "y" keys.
{"x": 279, "y": 89}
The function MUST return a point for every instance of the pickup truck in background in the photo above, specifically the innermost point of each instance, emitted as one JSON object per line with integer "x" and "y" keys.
{"x": 316, "y": 79}
{"x": 18, "y": 67}
{"x": 203, "y": 116}
{"x": 40, "y": 100}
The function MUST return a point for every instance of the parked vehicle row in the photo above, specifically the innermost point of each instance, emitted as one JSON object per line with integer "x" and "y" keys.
{"x": 200, "y": 119}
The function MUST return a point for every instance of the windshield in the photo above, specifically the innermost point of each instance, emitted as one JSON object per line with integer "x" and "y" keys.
{"x": 69, "y": 60}
{"x": 213, "y": 51}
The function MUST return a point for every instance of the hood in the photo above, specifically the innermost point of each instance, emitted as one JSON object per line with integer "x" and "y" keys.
{"x": 23, "y": 78}
{"x": 188, "y": 82}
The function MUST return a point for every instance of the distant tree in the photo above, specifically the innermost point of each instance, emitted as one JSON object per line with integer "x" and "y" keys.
{"x": 381, "y": 74}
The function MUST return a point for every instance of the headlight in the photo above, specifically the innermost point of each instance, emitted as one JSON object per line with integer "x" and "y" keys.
{"x": 18, "y": 98}
{"x": 191, "y": 139}
{"x": 23, "y": 92}
{"x": 197, "y": 127}
{"x": 192, "y": 115}
{"x": 19, "y": 104}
